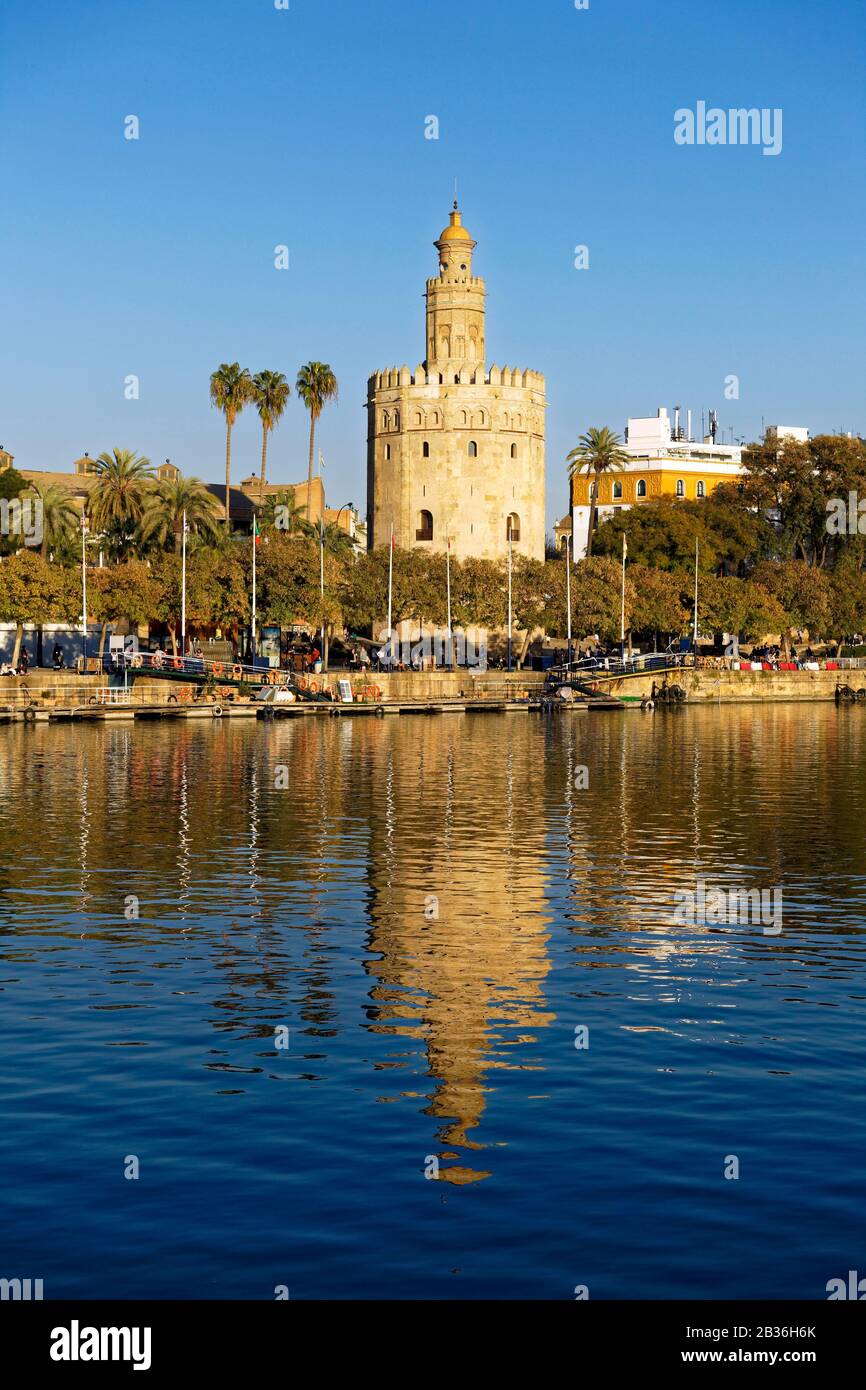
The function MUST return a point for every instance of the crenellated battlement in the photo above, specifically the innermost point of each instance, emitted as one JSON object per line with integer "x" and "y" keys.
{"x": 437, "y": 284}
{"x": 392, "y": 377}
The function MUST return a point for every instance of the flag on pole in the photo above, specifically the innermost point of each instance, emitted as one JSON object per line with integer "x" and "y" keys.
{"x": 257, "y": 535}
{"x": 321, "y": 461}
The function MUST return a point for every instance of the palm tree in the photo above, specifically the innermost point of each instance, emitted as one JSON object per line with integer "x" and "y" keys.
{"x": 337, "y": 541}
{"x": 270, "y": 392}
{"x": 230, "y": 388}
{"x": 316, "y": 385}
{"x": 596, "y": 452}
{"x": 60, "y": 516}
{"x": 118, "y": 497}
{"x": 164, "y": 512}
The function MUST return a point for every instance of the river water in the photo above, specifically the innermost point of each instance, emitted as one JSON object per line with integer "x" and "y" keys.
{"x": 409, "y": 1007}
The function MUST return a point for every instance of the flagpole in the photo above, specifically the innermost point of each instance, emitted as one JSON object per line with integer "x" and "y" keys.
{"x": 389, "y": 592}
{"x": 695, "y": 625}
{"x": 509, "y": 595}
{"x": 448, "y": 583}
{"x": 253, "y": 624}
{"x": 322, "y": 572}
{"x": 622, "y": 602}
{"x": 568, "y": 591}
{"x": 183, "y": 592}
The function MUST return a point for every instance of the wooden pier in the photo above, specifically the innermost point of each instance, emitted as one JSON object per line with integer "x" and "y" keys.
{"x": 124, "y": 712}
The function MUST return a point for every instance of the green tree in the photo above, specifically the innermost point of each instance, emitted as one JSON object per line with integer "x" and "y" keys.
{"x": 596, "y": 452}
{"x": 661, "y": 535}
{"x": 802, "y": 590}
{"x": 338, "y": 541}
{"x": 218, "y": 588}
{"x": 658, "y": 605}
{"x": 316, "y": 385}
{"x": 165, "y": 505}
{"x": 596, "y": 597}
{"x": 282, "y": 514}
{"x": 128, "y": 590}
{"x": 34, "y": 591}
{"x": 270, "y": 393}
{"x": 847, "y": 585}
{"x": 230, "y": 390}
{"x": 117, "y": 499}
{"x": 738, "y": 606}
{"x": 61, "y": 519}
{"x": 479, "y": 593}
{"x": 12, "y": 484}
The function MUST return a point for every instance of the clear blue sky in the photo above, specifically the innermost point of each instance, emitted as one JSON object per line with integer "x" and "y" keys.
{"x": 306, "y": 127}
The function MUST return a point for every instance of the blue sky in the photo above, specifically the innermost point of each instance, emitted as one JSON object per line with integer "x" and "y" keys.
{"x": 305, "y": 127}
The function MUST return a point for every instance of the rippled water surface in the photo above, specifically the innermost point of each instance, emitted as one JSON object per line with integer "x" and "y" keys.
{"x": 431, "y": 907}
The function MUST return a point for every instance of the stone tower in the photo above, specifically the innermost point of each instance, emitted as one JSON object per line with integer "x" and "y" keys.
{"x": 454, "y": 451}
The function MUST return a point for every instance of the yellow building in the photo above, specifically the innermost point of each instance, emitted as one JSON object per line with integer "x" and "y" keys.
{"x": 662, "y": 462}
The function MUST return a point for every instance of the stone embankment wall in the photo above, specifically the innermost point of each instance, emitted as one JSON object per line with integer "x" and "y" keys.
{"x": 702, "y": 687}
{"x": 726, "y": 687}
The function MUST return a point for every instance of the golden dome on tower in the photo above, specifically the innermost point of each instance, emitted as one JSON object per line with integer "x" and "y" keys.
{"x": 455, "y": 231}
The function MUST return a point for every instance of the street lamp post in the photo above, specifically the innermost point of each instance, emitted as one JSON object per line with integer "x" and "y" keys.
{"x": 347, "y": 506}
{"x": 568, "y": 591}
{"x": 509, "y": 594}
{"x": 183, "y": 590}
{"x": 448, "y": 596}
{"x": 84, "y": 588}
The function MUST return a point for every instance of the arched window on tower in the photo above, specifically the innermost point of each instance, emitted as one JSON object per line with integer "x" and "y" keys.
{"x": 425, "y": 449}
{"x": 641, "y": 487}
{"x": 387, "y": 451}
{"x": 512, "y": 527}
{"x": 473, "y": 449}
{"x": 425, "y": 527}
{"x": 681, "y": 488}
{"x": 514, "y": 451}
{"x": 702, "y": 491}
{"x": 617, "y": 492}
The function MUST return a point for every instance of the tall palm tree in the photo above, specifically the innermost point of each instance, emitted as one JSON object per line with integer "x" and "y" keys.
{"x": 270, "y": 392}
{"x": 230, "y": 388}
{"x": 60, "y": 517}
{"x": 117, "y": 499}
{"x": 596, "y": 452}
{"x": 316, "y": 385}
{"x": 164, "y": 512}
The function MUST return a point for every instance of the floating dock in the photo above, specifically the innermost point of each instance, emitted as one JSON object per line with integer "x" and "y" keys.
{"x": 117, "y": 712}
